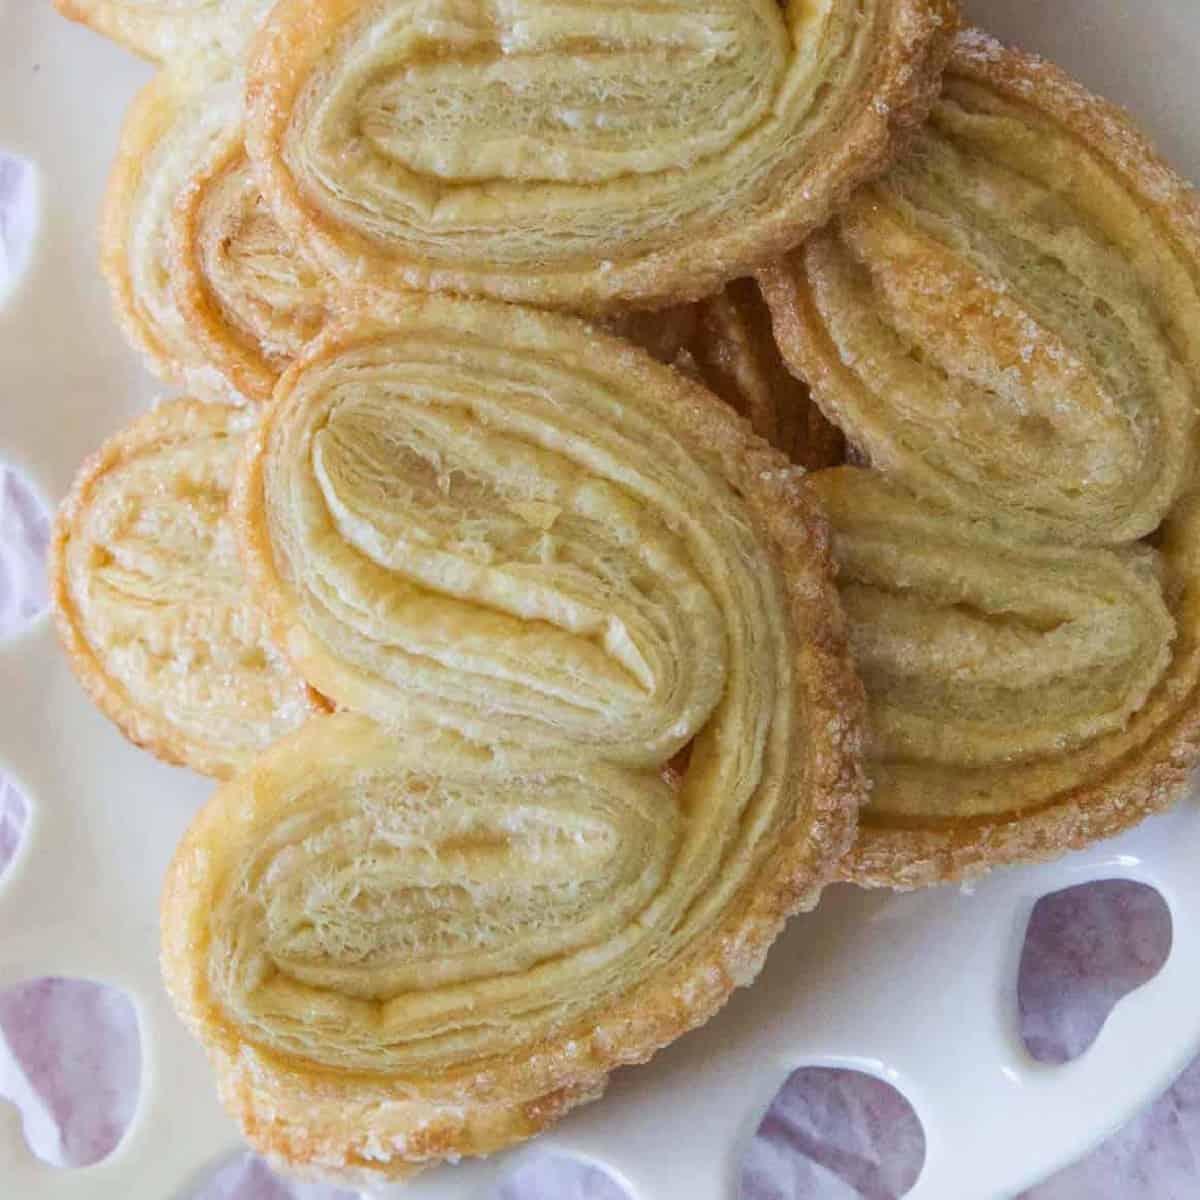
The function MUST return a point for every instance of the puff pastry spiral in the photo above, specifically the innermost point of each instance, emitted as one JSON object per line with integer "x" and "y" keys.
{"x": 207, "y": 285}
{"x": 578, "y": 156}
{"x": 177, "y": 122}
{"x": 612, "y": 739}
{"x": 1023, "y": 699}
{"x": 1010, "y": 321}
{"x": 166, "y": 30}
{"x": 150, "y": 601}
{"x": 249, "y": 299}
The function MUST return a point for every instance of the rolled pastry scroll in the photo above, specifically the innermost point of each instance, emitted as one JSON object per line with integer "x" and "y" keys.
{"x": 578, "y": 156}
{"x": 611, "y": 738}
{"x": 1009, "y": 322}
{"x": 177, "y": 122}
{"x": 208, "y": 287}
{"x": 1023, "y": 699}
{"x": 150, "y": 601}
{"x": 249, "y": 299}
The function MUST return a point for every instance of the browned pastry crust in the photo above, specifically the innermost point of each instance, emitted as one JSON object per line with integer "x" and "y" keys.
{"x": 726, "y": 342}
{"x": 1137, "y": 788}
{"x": 398, "y": 168}
{"x": 177, "y": 121}
{"x": 977, "y": 761}
{"x": 206, "y": 284}
{"x": 384, "y": 388}
{"x": 148, "y": 599}
{"x": 1007, "y": 322}
{"x": 360, "y": 1129}
{"x": 250, "y": 300}
{"x": 742, "y": 364}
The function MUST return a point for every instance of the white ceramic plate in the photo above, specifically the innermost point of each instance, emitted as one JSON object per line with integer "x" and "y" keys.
{"x": 919, "y": 989}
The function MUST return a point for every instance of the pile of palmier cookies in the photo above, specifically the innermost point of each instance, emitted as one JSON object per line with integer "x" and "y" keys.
{"x": 635, "y": 466}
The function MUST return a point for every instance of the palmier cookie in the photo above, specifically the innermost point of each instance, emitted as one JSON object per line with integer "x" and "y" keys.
{"x": 607, "y": 738}
{"x": 1023, "y": 699}
{"x": 590, "y": 157}
{"x": 206, "y": 284}
{"x": 150, "y": 601}
{"x": 1009, "y": 322}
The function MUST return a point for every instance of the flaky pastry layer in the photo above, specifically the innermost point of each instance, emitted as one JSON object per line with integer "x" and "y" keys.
{"x": 207, "y": 286}
{"x": 176, "y": 123}
{"x": 1009, "y": 321}
{"x": 171, "y": 30}
{"x": 1023, "y": 699}
{"x": 613, "y": 737}
{"x": 150, "y": 602}
{"x": 249, "y": 299}
{"x": 726, "y": 343}
{"x": 578, "y": 156}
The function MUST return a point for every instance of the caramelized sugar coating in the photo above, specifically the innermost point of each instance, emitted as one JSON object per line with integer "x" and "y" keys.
{"x": 208, "y": 287}
{"x": 1009, "y": 321}
{"x": 587, "y": 157}
{"x": 726, "y": 343}
{"x": 1024, "y": 699}
{"x": 607, "y": 737}
{"x": 151, "y": 603}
